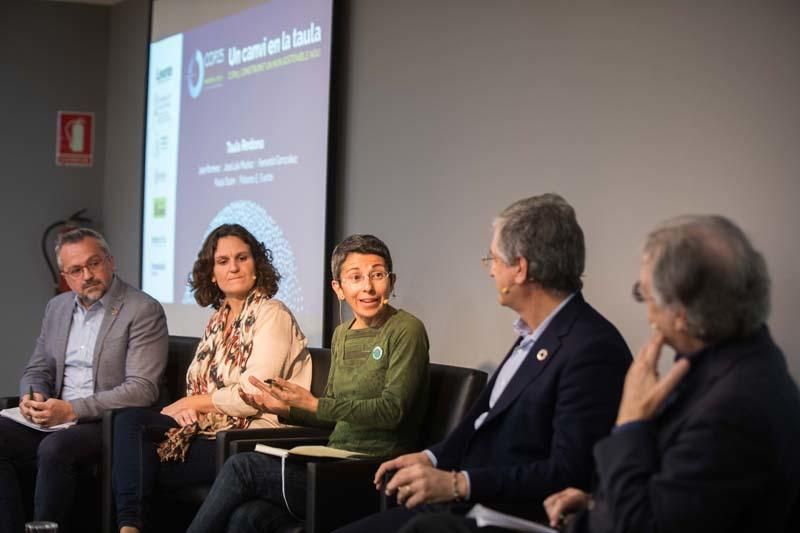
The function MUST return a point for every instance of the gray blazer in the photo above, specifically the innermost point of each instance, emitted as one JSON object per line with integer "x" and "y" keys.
{"x": 130, "y": 354}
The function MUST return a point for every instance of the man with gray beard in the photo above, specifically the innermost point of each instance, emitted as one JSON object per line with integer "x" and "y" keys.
{"x": 102, "y": 346}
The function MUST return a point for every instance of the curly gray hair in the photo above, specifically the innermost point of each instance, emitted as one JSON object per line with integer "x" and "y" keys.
{"x": 707, "y": 265}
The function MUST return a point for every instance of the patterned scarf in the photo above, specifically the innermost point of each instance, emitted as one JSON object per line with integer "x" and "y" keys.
{"x": 219, "y": 359}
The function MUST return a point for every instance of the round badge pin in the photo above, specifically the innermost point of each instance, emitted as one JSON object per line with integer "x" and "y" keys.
{"x": 377, "y": 352}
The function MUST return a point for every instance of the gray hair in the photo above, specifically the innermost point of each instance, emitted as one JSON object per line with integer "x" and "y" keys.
{"x": 543, "y": 229}
{"x": 77, "y": 235}
{"x": 707, "y": 265}
{"x": 358, "y": 244}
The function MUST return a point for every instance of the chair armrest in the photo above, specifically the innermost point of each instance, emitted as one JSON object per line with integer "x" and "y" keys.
{"x": 7, "y": 402}
{"x": 340, "y": 492}
{"x": 243, "y": 440}
{"x": 387, "y": 502}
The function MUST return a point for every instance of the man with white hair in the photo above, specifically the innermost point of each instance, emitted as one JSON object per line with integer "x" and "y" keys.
{"x": 713, "y": 444}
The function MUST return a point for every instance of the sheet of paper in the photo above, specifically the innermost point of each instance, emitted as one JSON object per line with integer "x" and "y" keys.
{"x": 489, "y": 517}
{"x": 17, "y": 417}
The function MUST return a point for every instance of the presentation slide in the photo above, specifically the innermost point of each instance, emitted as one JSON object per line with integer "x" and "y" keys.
{"x": 237, "y": 132}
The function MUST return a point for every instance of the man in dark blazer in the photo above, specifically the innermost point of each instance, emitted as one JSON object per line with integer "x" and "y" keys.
{"x": 554, "y": 395}
{"x": 714, "y": 444}
{"x": 102, "y": 346}
{"x": 711, "y": 446}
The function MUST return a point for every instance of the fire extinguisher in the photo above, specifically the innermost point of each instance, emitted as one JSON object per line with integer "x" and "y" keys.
{"x": 73, "y": 221}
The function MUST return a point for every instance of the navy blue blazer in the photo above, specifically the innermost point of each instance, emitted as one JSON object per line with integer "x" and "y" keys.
{"x": 538, "y": 438}
{"x": 722, "y": 454}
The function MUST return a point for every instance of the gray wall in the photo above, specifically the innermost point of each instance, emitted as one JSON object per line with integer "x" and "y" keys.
{"x": 454, "y": 109}
{"x": 634, "y": 113}
{"x": 53, "y": 57}
{"x": 127, "y": 82}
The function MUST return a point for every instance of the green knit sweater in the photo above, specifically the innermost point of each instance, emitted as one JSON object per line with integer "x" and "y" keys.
{"x": 377, "y": 390}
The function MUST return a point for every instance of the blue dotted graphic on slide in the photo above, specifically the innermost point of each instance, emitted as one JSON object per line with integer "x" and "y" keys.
{"x": 255, "y": 218}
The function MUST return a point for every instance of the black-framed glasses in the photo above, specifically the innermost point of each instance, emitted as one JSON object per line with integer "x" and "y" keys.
{"x": 488, "y": 259}
{"x": 93, "y": 266}
{"x": 357, "y": 278}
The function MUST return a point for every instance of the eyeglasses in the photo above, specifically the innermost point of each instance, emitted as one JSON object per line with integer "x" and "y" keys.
{"x": 636, "y": 292}
{"x": 93, "y": 266}
{"x": 357, "y": 278}
{"x": 488, "y": 259}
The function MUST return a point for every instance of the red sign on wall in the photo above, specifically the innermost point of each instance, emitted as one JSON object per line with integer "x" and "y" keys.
{"x": 75, "y": 139}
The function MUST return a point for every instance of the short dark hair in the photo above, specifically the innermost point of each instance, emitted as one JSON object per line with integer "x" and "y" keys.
{"x": 543, "y": 229}
{"x": 358, "y": 244}
{"x": 206, "y": 292}
{"x": 76, "y": 235}
{"x": 707, "y": 265}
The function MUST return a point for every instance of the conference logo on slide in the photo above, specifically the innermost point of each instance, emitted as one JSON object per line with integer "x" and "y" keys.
{"x": 196, "y": 77}
{"x": 195, "y": 73}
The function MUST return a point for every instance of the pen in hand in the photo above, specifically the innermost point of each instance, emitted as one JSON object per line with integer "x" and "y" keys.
{"x": 30, "y": 398}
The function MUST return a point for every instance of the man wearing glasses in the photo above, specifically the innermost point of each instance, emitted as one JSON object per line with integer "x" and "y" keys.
{"x": 102, "y": 346}
{"x": 710, "y": 445}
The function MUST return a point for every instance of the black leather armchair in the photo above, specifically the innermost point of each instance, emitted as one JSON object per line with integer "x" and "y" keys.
{"x": 95, "y": 482}
{"x": 180, "y": 353}
{"x": 7, "y": 402}
{"x": 341, "y": 492}
{"x": 173, "y": 510}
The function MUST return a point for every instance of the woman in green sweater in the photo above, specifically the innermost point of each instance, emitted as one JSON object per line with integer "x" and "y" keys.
{"x": 375, "y": 397}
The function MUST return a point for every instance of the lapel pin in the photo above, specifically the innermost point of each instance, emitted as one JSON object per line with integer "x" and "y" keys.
{"x": 114, "y": 311}
{"x": 542, "y": 355}
{"x": 377, "y": 353}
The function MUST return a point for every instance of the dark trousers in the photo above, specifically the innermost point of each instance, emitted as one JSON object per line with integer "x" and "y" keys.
{"x": 447, "y": 523}
{"x": 247, "y": 496}
{"x": 450, "y": 523}
{"x": 137, "y": 470}
{"x": 444, "y": 523}
{"x": 396, "y": 518}
{"x": 53, "y": 458}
